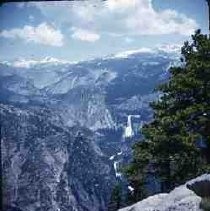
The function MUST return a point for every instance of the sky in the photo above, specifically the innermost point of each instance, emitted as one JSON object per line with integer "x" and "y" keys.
{"x": 81, "y": 30}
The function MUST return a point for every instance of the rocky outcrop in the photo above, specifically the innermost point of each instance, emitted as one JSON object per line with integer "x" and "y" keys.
{"x": 186, "y": 197}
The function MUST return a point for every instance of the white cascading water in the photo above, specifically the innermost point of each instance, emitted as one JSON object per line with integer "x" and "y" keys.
{"x": 128, "y": 129}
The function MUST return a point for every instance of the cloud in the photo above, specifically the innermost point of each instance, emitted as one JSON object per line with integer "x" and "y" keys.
{"x": 43, "y": 34}
{"x": 122, "y": 17}
{"x": 120, "y": 4}
{"x": 146, "y": 21}
{"x": 140, "y": 18}
{"x": 84, "y": 35}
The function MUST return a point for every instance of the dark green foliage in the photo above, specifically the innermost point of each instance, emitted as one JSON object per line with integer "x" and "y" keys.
{"x": 176, "y": 145}
{"x": 128, "y": 198}
{"x": 116, "y": 198}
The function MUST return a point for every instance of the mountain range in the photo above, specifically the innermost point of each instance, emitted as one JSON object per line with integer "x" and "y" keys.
{"x": 68, "y": 127}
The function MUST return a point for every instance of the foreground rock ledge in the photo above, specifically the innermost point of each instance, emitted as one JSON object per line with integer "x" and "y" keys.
{"x": 182, "y": 198}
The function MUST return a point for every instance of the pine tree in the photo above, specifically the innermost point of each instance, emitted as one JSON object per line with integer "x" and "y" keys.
{"x": 176, "y": 144}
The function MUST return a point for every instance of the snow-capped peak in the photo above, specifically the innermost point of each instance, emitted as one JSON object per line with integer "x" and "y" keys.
{"x": 128, "y": 53}
{"x": 28, "y": 63}
{"x": 167, "y": 48}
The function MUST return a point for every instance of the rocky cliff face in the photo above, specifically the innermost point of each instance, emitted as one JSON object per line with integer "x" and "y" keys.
{"x": 63, "y": 127}
{"x": 48, "y": 166}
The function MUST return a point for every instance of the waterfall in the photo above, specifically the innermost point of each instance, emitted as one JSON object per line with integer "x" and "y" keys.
{"x": 128, "y": 129}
